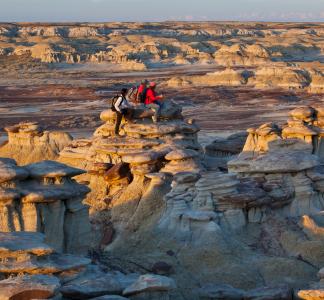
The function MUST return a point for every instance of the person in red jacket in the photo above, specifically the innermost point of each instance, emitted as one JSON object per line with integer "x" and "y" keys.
{"x": 141, "y": 92}
{"x": 152, "y": 101}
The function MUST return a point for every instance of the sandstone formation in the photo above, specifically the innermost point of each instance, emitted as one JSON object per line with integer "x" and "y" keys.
{"x": 255, "y": 225}
{"x": 123, "y": 171}
{"x": 30, "y": 269}
{"x": 280, "y": 76}
{"x": 287, "y": 56}
{"x": 43, "y": 197}
{"x": 28, "y": 143}
{"x": 240, "y": 219}
{"x": 154, "y": 186}
{"x": 227, "y": 77}
{"x": 272, "y": 75}
{"x": 237, "y": 54}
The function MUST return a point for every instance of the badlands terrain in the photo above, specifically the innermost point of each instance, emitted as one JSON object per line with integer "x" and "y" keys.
{"x": 222, "y": 198}
{"x": 62, "y": 74}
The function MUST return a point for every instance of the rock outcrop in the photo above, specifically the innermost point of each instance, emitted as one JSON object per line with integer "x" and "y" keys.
{"x": 280, "y": 76}
{"x": 237, "y": 54}
{"x": 30, "y": 269}
{"x": 273, "y": 56}
{"x": 126, "y": 171}
{"x": 153, "y": 186}
{"x": 43, "y": 197}
{"x": 175, "y": 204}
{"x": 227, "y": 77}
{"x": 28, "y": 143}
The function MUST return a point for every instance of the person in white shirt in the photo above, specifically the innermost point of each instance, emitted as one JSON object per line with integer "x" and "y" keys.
{"x": 122, "y": 107}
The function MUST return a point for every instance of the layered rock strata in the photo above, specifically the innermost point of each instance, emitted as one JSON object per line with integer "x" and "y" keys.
{"x": 43, "y": 197}
{"x": 30, "y": 269}
{"x": 305, "y": 123}
{"x": 28, "y": 143}
{"x": 126, "y": 171}
{"x": 271, "y": 185}
{"x": 153, "y": 187}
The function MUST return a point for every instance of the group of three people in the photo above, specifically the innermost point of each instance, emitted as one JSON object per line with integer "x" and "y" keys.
{"x": 146, "y": 94}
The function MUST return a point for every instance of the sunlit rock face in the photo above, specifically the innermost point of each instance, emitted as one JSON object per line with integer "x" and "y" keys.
{"x": 43, "y": 197}
{"x": 258, "y": 212}
{"x": 125, "y": 172}
{"x": 274, "y": 55}
{"x": 29, "y": 143}
{"x": 154, "y": 185}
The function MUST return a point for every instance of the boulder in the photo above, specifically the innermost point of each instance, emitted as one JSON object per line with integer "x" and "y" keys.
{"x": 311, "y": 294}
{"x": 18, "y": 243}
{"x": 29, "y": 287}
{"x": 142, "y": 157}
{"x": 54, "y": 263}
{"x": 117, "y": 172}
{"x": 108, "y": 115}
{"x": 52, "y": 193}
{"x": 28, "y": 143}
{"x": 281, "y": 292}
{"x": 220, "y": 292}
{"x": 150, "y": 283}
{"x": 89, "y": 288}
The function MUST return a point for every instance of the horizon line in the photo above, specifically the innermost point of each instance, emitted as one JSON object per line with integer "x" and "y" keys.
{"x": 162, "y": 21}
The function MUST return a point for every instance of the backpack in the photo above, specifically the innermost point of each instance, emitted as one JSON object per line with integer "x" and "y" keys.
{"x": 113, "y": 102}
{"x": 142, "y": 96}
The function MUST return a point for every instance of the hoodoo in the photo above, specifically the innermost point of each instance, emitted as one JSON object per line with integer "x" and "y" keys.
{"x": 28, "y": 143}
{"x": 230, "y": 221}
{"x": 43, "y": 197}
{"x": 171, "y": 202}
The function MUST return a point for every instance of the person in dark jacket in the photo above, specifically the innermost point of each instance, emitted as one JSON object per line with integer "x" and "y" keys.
{"x": 122, "y": 108}
{"x": 141, "y": 91}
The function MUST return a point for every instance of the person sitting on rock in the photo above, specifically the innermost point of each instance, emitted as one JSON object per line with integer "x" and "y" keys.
{"x": 142, "y": 91}
{"x": 152, "y": 101}
{"x": 122, "y": 108}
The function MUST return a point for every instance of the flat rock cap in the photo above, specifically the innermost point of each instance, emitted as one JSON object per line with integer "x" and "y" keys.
{"x": 276, "y": 162}
{"x": 29, "y": 287}
{"x": 8, "y": 195}
{"x": 150, "y": 282}
{"x": 52, "y": 169}
{"x": 28, "y": 242}
{"x": 302, "y": 112}
{"x": 141, "y": 157}
{"x": 181, "y": 154}
{"x": 10, "y": 171}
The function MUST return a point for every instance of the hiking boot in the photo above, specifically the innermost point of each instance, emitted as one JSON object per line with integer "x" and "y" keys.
{"x": 154, "y": 119}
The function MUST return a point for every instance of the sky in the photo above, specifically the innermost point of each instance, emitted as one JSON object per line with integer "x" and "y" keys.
{"x": 160, "y": 10}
